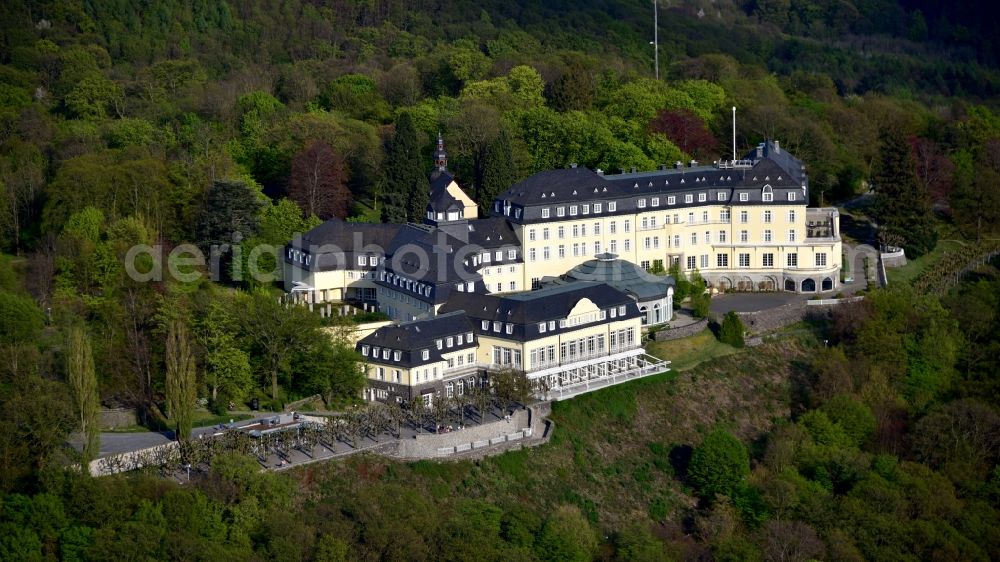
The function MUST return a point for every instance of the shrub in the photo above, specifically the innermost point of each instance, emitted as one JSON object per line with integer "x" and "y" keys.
{"x": 719, "y": 465}
{"x": 732, "y": 330}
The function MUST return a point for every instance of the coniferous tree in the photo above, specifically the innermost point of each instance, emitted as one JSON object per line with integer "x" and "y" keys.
{"x": 406, "y": 193}
{"x": 499, "y": 170}
{"x": 180, "y": 378}
{"x": 83, "y": 381}
{"x": 229, "y": 207}
{"x": 901, "y": 207}
{"x": 732, "y": 329}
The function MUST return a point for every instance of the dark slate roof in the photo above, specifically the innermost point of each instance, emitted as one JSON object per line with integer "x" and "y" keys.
{"x": 622, "y": 275}
{"x": 335, "y": 244}
{"x": 440, "y": 179}
{"x": 765, "y": 165}
{"x": 493, "y": 232}
{"x": 416, "y": 255}
{"x": 411, "y": 338}
{"x": 526, "y": 310}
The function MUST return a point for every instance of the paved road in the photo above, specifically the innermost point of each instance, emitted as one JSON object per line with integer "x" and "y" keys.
{"x": 113, "y": 443}
{"x": 752, "y": 302}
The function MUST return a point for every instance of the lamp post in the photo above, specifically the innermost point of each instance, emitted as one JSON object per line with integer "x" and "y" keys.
{"x": 656, "y": 40}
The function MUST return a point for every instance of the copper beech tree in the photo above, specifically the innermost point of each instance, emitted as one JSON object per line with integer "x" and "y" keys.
{"x": 318, "y": 182}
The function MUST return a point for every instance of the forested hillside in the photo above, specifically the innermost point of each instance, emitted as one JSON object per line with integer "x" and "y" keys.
{"x": 239, "y": 123}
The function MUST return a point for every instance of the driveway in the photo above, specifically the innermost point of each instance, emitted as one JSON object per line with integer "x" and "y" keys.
{"x": 752, "y": 302}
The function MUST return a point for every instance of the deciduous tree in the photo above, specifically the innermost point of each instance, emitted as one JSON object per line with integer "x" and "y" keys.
{"x": 180, "y": 382}
{"x": 83, "y": 382}
{"x": 719, "y": 465}
{"x": 317, "y": 182}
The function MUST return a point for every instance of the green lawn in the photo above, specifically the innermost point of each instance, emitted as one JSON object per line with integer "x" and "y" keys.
{"x": 914, "y": 268}
{"x": 687, "y": 353}
{"x": 365, "y": 212}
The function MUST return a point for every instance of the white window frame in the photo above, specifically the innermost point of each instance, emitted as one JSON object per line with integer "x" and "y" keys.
{"x": 545, "y": 213}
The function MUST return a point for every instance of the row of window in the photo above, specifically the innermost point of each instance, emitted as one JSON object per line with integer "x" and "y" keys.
{"x": 641, "y": 203}
{"x": 506, "y": 356}
{"x": 404, "y": 298}
{"x": 487, "y": 257}
{"x": 622, "y": 339}
{"x": 743, "y": 260}
{"x": 650, "y": 222}
{"x": 575, "y": 210}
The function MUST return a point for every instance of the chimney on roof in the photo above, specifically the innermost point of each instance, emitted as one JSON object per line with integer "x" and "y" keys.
{"x": 621, "y": 170}
{"x": 663, "y": 167}
{"x": 599, "y": 171}
{"x": 633, "y": 169}
{"x": 694, "y": 163}
{"x": 678, "y": 165}
{"x": 760, "y": 150}
{"x": 573, "y": 165}
{"x": 777, "y": 147}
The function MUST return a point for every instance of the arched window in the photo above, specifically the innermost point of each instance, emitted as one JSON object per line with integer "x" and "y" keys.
{"x": 767, "y": 194}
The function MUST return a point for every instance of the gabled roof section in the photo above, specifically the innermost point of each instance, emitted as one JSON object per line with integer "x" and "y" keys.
{"x": 493, "y": 232}
{"x": 535, "y": 306}
{"x": 419, "y": 334}
{"x": 336, "y": 232}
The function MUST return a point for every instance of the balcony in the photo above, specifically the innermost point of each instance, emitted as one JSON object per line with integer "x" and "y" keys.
{"x": 822, "y": 225}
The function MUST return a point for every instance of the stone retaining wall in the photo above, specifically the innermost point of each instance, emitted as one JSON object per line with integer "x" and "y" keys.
{"x": 667, "y": 334}
{"x": 764, "y": 321}
{"x": 434, "y": 444}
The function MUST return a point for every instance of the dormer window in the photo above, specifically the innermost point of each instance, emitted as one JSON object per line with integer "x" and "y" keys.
{"x": 385, "y": 354}
{"x": 510, "y": 328}
{"x": 720, "y": 196}
{"x": 744, "y": 197}
{"x": 560, "y": 211}
{"x": 468, "y": 337}
{"x": 541, "y": 327}
{"x": 791, "y": 196}
{"x": 597, "y": 207}
{"x": 689, "y": 198}
{"x": 425, "y": 354}
{"x": 641, "y": 203}
{"x": 655, "y": 202}
{"x": 586, "y": 209}
{"x": 614, "y": 313}
{"x": 450, "y": 342}
{"x": 364, "y": 350}
{"x": 486, "y": 324}
{"x": 612, "y": 206}
{"x": 545, "y": 213}
{"x": 439, "y": 344}
{"x": 396, "y": 355}
{"x": 702, "y": 197}
{"x": 768, "y": 194}
{"x": 671, "y": 200}
{"x": 572, "y": 210}
{"x": 621, "y": 310}
{"x": 361, "y": 260}
{"x": 496, "y": 327}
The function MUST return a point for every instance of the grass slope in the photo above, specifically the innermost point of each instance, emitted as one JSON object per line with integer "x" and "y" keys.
{"x": 609, "y": 453}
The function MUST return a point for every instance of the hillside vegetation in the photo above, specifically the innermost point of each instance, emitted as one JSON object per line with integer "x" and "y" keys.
{"x": 236, "y": 124}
